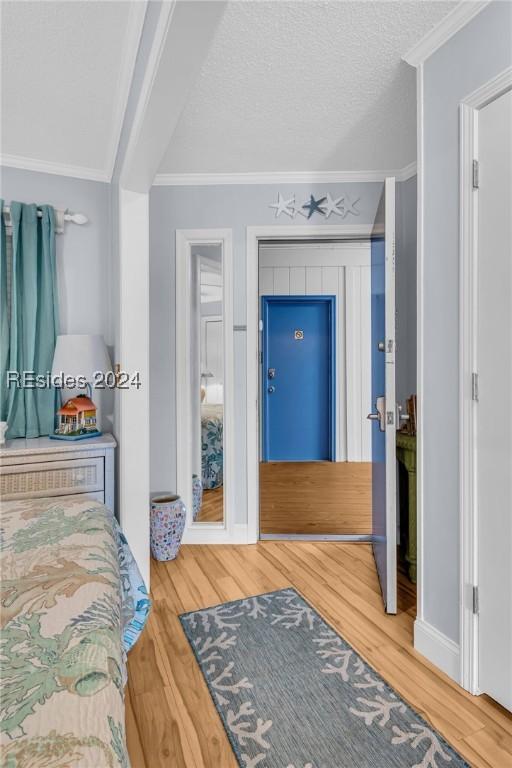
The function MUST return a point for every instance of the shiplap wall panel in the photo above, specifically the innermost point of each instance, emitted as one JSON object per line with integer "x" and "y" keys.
{"x": 313, "y": 281}
{"x": 266, "y": 281}
{"x": 281, "y": 281}
{"x": 341, "y": 389}
{"x": 297, "y": 281}
{"x": 330, "y": 281}
{"x": 341, "y": 270}
{"x": 353, "y": 364}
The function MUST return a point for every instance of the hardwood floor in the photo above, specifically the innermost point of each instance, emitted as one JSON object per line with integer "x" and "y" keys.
{"x": 315, "y": 497}
{"x": 212, "y": 506}
{"x": 171, "y": 720}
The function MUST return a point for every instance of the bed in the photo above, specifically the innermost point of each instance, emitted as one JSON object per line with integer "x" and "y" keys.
{"x": 212, "y": 452}
{"x": 73, "y": 604}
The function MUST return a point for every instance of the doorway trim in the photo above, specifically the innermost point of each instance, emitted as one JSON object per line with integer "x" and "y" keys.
{"x": 203, "y": 533}
{"x": 330, "y": 301}
{"x": 254, "y": 234}
{"x": 468, "y": 317}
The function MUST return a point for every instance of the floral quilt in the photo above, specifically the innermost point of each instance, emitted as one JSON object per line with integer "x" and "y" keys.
{"x": 212, "y": 452}
{"x": 72, "y": 604}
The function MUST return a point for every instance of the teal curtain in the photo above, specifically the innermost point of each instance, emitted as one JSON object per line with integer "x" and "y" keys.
{"x": 33, "y": 321}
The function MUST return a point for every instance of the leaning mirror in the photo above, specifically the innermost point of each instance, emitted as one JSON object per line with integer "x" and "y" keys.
{"x": 207, "y": 383}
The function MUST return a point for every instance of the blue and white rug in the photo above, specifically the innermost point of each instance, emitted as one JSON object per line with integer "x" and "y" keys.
{"x": 293, "y": 694}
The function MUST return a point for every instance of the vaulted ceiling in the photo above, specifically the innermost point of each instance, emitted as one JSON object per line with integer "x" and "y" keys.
{"x": 299, "y": 86}
{"x": 66, "y": 74}
{"x": 305, "y": 86}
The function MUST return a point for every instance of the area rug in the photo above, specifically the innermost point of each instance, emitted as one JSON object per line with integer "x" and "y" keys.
{"x": 292, "y": 693}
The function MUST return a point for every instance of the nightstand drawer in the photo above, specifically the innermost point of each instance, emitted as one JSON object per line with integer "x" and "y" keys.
{"x": 53, "y": 478}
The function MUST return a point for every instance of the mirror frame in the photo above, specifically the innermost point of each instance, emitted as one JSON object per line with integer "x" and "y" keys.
{"x": 186, "y": 239}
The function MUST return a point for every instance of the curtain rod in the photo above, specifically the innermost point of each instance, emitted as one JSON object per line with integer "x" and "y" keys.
{"x": 61, "y": 216}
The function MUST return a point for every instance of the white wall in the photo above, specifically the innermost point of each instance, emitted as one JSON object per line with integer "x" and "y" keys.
{"x": 477, "y": 53}
{"x": 83, "y": 254}
{"x": 331, "y": 269}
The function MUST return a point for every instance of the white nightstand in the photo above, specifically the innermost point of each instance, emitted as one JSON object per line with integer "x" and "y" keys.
{"x": 41, "y": 467}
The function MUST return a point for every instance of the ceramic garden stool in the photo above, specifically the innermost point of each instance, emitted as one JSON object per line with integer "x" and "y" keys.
{"x": 197, "y": 495}
{"x": 167, "y": 523}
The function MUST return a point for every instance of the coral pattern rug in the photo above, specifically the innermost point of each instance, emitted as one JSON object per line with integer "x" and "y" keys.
{"x": 292, "y": 693}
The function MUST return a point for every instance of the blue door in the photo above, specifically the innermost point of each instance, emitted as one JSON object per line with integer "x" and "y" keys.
{"x": 298, "y": 382}
{"x": 384, "y": 516}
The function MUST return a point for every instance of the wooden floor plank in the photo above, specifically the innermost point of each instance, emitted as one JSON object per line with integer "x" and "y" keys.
{"x": 212, "y": 506}
{"x": 290, "y": 493}
{"x": 171, "y": 719}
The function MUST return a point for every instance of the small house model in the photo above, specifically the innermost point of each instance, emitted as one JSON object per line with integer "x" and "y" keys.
{"x": 77, "y": 417}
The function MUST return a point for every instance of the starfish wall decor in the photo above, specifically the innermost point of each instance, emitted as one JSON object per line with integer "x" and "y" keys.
{"x": 324, "y": 205}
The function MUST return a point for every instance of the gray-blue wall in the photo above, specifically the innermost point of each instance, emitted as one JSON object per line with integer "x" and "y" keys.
{"x": 234, "y": 207}
{"x": 476, "y": 54}
{"x": 84, "y": 261}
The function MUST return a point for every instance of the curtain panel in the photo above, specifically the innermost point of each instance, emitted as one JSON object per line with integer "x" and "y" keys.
{"x": 28, "y": 319}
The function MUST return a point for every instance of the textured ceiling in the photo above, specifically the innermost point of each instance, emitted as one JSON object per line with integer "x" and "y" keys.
{"x": 305, "y": 86}
{"x": 62, "y": 65}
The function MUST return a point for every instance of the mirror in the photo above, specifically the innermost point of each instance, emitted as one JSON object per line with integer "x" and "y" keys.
{"x": 207, "y": 383}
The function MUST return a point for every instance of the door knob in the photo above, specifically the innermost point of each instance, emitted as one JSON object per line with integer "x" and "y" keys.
{"x": 401, "y": 416}
{"x": 380, "y": 415}
{"x": 271, "y": 389}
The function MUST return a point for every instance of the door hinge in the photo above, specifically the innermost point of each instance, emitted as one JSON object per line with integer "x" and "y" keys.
{"x": 476, "y": 601}
{"x": 260, "y": 357}
{"x": 476, "y": 174}
{"x": 474, "y": 387}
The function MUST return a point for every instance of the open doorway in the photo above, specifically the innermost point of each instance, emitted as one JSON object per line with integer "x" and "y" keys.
{"x": 300, "y": 496}
{"x": 315, "y": 389}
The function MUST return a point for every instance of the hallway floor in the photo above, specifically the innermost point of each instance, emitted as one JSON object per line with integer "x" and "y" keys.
{"x": 316, "y": 497}
{"x": 171, "y": 720}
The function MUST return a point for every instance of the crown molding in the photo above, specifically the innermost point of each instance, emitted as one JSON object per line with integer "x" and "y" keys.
{"x": 443, "y": 31}
{"x": 407, "y": 172}
{"x": 129, "y": 52}
{"x": 211, "y": 179}
{"x": 280, "y": 177}
{"x": 490, "y": 90}
{"x": 58, "y": 169}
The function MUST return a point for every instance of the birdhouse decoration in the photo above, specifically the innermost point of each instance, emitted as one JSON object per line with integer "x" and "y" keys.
{"x": 77, "y": 419}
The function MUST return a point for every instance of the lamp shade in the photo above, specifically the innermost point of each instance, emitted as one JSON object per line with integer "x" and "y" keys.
{"x": 80, "y": 355}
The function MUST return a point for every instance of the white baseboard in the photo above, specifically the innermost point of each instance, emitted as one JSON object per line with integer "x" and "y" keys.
{"x": 437, "y": 648}
{"x": 214, "y": 534}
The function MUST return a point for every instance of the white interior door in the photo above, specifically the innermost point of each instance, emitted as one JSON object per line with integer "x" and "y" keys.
{"x": 384, "y": 516}
{"x": 494, "y": 414}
